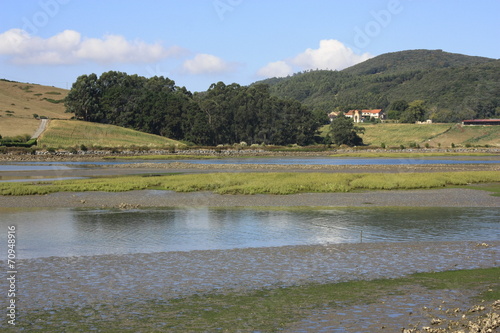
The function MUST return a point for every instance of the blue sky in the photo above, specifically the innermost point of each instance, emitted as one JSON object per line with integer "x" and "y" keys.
{"x": 199, "y": 42}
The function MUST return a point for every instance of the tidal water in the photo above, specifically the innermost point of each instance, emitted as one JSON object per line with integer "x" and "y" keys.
{"x": 81, "y": 232}
{"x": 40, "y": 166}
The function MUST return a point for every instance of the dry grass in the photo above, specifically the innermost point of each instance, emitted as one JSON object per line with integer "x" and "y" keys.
{"x": 71, "y": 133}
{"x": 19, "y": 101}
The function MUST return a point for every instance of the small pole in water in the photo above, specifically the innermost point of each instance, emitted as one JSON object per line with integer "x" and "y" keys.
{"x": 361, "y": 237}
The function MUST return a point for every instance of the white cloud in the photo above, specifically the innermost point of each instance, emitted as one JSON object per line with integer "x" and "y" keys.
{"x": 69, "y": 47}
{"x": 207, "y": 64}
{"x": 275, "y": 69}
{"x": 331, "y": 54}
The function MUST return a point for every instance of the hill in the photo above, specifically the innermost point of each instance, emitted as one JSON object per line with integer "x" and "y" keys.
{"x": 414, "y": 60}
{"x": 435, "y": 135}
{"x": 20, "y": 101}
{"x": 74, "y": 133}
{"x": 453, "y": 86}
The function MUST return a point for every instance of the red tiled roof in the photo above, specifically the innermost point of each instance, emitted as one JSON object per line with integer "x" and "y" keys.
{"x": 351, "y": 112}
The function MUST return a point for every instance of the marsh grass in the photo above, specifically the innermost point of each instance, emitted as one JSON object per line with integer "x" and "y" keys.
{"x": 257, "y": 183}
{"x": 264, "y": 310}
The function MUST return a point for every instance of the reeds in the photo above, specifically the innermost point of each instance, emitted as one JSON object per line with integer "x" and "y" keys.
{"x": 279, "y": 183}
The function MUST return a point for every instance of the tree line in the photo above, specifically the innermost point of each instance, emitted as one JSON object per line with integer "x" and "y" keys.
{"x": 223, "y": 114}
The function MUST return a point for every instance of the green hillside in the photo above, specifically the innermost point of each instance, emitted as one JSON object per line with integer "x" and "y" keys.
{"x": 453, "y": 86}
{"x": 72, "y": 133}
{"x": 433, "y": 135}
{"x": 414, "y": 60}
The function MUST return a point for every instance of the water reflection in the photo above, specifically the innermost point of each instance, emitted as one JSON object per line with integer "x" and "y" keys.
{"x": 67, "y": 232}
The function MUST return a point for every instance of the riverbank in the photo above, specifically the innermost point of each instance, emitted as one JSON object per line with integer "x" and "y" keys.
{"x": 229, "y": 152}
{"x": 291, "y": 287}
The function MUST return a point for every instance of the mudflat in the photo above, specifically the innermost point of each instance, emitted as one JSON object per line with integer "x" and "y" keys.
{"x": 453, "y": 197}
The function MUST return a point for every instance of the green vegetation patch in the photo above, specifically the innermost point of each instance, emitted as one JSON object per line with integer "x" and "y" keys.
{"x": 494, "y": 188}
{"x": 68, "y": 133}
{"x": 258, "y": 183}
{"x": 265, "y": 310}
{"x": 54, "y": 101}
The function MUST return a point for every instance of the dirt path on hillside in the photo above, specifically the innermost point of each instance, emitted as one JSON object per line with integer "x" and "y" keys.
{"x": 41, "y": 128}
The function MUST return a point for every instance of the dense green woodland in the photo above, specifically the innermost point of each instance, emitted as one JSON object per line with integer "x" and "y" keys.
{"x": 409, "y": 85}
{"x": 224, "y": 114}
{"x": 453, "y": 87}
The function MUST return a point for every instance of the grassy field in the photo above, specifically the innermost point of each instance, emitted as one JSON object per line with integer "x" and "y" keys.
{"x": 71, "y": 133}
{"x": 19, "y": 101}
{"x": 401, "y": 134}
{"x": 469, "y": 135}
{"x": 436, "y": 135}
{"x": 257, "y": 183}
{"x": 267, "y": 310}
{"x": 411, "y": 155}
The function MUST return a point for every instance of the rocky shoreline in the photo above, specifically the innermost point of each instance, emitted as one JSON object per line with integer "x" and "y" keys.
{"x": 65, "y": 155}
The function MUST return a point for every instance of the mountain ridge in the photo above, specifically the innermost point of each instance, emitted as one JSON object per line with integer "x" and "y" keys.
{"x": 453, "y": 86}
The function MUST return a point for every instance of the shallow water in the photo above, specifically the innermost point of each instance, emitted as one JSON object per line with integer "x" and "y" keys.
{"x": 41, "y": 165}
{"x": 5, "y": 179}
{"x": 77, "y": 232}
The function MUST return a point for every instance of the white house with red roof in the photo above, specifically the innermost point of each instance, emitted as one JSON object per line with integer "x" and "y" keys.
{"x": 361, "y": 115}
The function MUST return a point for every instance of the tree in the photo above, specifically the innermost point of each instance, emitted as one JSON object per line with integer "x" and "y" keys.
{"x": 84, "y": 98}
{"x": 343, "y": 132}
{"x": 223, "y": 114}
{"x": 415, "y": 112}
{"x": 396, "y": 109}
